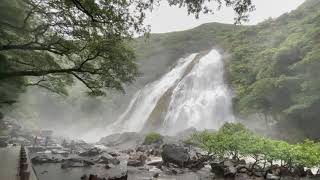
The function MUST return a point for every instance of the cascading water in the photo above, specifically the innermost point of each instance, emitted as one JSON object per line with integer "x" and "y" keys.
{"x": 201, "y": 99}
{"x": 197, "y": 97}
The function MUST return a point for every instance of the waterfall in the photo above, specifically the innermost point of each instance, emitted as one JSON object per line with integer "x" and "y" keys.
{"x": 195, "y": 96}
{"x": 201, "y": 99}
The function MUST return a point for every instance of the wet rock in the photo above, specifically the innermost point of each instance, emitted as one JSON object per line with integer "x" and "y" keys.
{"x": 155, "y": 163}
{"x": 299, "y": 171}
{"x": 91, "y": 152}
{"x": 230, "y": 171}
{"x": 170, "y": 170}
{"x": 74, "y": 162}
{"x": 258, "y": 173}
{"x": 242, "y": 168}
{"x": 309, "y": 173}
{"x": 135, "y": 163}
{"x": 142, "y": 148}
{"x": 175, "y": 154}
{"x": 137, "y": 159}
{"x": 272, "y": 177}
{"x": 284, "y": 172}
{"x": 243, "y": 176}
{"x": 106, "y": 159}
{"x": 242, "y": 161}
{"x": 217, "y": 169}
{"x": 114, "y": 154}
{"x": 274, "y": 169}
{"x": 127, "y": 151}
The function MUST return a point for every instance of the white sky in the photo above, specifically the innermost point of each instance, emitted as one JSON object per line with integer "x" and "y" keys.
{"x": 167, "y": 19}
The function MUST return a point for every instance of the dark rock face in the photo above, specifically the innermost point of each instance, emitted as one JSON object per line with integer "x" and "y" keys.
{"x": 309, "y": 173}
{"x": 217, "y": 169}
{"x": 175, "y": 154}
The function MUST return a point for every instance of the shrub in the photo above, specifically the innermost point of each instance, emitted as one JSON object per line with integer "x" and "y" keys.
{"x": 152, "y": 138}
{"x": 237, "y": 141}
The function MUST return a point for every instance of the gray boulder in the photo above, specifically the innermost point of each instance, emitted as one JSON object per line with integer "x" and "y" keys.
{"x": 175, "y": 154}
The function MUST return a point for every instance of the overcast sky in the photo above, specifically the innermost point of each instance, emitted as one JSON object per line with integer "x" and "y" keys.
{"x": 167, "y": 19}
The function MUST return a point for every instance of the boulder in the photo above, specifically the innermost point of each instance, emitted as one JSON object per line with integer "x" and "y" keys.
{"x": 175, "y": 154}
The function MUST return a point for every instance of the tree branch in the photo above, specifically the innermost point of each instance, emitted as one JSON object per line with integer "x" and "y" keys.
{"x": 6, "y": 75}
{"x": 83, "y": 81}
{"x": 89, "y": 59}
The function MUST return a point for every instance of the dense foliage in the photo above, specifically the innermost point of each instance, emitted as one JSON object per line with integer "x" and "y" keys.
{"x": 274, "y": 68}
{"x": 234, "y": 140}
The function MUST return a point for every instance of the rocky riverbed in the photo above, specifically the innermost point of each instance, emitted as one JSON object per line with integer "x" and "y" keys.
{"x": 124, "y": 156}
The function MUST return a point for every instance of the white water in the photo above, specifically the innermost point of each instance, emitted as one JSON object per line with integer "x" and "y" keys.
{"x": 144, "y": 101}
{"x": 199, "y": 99}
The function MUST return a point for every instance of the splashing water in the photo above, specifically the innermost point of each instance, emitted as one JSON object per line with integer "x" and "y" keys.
{"x": 198, "y": 98}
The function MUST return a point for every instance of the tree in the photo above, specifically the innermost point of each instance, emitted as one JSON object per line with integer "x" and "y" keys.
{"x": 54, "y": 42}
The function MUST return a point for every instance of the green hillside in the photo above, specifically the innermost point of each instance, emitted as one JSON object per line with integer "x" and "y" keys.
{"x": 273, "y": 66}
